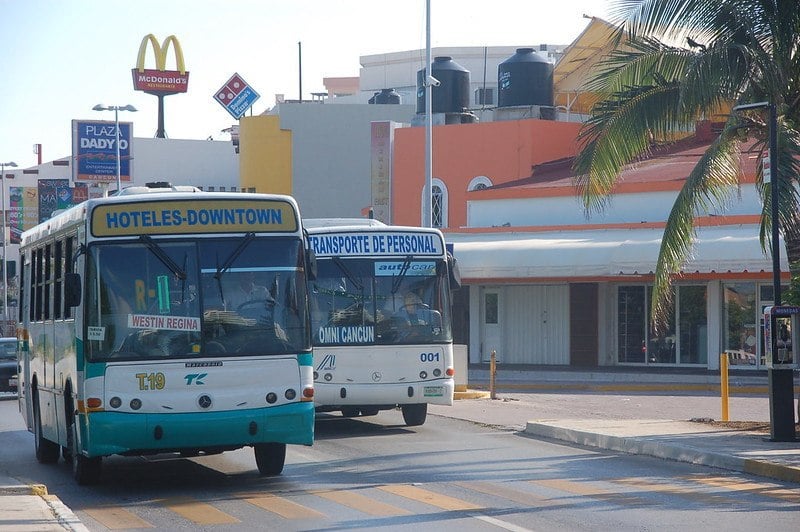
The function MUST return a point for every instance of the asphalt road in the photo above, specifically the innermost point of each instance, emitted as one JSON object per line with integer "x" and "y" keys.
{"x": 450, "y": 474}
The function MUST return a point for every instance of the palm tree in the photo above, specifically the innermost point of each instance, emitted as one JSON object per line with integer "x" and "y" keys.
{"x": 678, "y": 61}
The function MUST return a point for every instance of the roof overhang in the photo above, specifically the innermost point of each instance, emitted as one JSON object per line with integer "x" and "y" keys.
{"x": 604, "y": 253}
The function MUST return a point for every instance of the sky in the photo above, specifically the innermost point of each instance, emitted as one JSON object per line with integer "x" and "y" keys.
{"x": 62, "y": 57}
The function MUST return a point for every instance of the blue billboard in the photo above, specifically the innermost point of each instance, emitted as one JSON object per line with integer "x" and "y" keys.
{"x": 94, "y": 150}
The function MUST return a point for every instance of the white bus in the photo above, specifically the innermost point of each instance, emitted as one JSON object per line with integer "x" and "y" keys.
{"x": 134, "y": 339}
{"x": 380, "y": 316}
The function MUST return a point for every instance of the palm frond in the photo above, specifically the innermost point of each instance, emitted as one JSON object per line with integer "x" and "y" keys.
{"x": 712, "y": 183}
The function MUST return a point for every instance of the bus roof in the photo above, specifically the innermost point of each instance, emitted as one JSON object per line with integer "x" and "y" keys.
{"x": 309, "y": 223}
{"x": 81, "y": 213}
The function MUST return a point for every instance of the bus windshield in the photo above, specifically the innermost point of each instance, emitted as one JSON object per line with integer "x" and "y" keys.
{"x": 172, "y": 298}
{"x": 394, "y": 301}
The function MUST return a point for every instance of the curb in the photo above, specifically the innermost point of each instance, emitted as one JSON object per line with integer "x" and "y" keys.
{"x": 61, "y": 512}
{"x": 24, "y": 489}
{"x": 609, "y": 387}
{"x": 668, "y": 451}
{"x": 471, "y": 394}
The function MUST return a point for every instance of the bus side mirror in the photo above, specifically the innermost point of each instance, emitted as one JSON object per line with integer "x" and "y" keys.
{"x": 454, "y": 272}
{"x": 311, "y": 264}
{"x": 72, "y": 289}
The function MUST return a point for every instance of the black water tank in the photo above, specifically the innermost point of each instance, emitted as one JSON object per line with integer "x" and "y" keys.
{"x": 386, "y": 96}
{"x": 525, "y": 78}
{"x": 452, "y": 94}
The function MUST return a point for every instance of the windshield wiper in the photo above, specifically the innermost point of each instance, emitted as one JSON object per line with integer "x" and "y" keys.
{"x": 234, "y": 254}
{"x": 401, "y": 275}
{"x": 163, "y": 257}
{"x": 347, "y": 273}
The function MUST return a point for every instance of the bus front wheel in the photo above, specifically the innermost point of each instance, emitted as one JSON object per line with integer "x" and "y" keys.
{"x": 270, "y": 458}
{"x": 46, "y": 451}
{"x": 85, "y": 470}
{"x": 414, "y": 415}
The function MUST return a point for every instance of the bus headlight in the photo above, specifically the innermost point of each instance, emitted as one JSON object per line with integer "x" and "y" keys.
{"x": 423, "y": 374}
{"x": 271, "y": 397}
{"x": 290, "y": 394}
{"x": 115, "y": 402}
{"x": 136, "y": 404}
{"x": 437, "y": 372}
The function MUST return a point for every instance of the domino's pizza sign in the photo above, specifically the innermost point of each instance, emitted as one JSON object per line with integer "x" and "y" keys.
{"x": 236, "y": 96}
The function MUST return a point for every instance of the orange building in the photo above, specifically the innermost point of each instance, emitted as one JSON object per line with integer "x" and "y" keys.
{"x": 498, "y": 152}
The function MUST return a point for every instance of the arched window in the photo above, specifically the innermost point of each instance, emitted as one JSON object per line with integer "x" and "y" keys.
{"x": 438, "y": 204}
{"x": 479, "y": 183}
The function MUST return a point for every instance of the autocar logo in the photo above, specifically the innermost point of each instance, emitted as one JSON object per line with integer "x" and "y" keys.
{"x": 160, "y": 81}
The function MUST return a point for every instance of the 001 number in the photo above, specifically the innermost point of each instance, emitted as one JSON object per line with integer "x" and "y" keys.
{"x": 429, "y": 357}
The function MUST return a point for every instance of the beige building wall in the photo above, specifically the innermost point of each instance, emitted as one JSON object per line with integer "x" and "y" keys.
{"x": 265, "y": 155}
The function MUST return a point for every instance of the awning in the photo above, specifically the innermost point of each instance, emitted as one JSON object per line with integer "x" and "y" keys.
{"x": 604, "y": 253}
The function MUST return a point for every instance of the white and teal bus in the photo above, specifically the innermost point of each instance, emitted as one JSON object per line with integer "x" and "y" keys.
{"x": 380, "y": 314}
{"x": 166, "y": 320}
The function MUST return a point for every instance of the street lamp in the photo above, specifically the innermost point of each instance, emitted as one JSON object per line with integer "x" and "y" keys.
{"x": 116, "y": 109}
{"x": 10, "y": 164}
{"x": 781, "y": 381}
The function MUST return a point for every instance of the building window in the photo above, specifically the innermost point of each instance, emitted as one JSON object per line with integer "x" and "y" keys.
{"x": 252, "y": 190}
{"x": 211, "y": 189}
{"x": 484, "y": 96}
{"x": 479, "y": 183}
{"x": 740, "y": 319}
{"x": 436, "y": 206}
{"x": 684, "y": 339}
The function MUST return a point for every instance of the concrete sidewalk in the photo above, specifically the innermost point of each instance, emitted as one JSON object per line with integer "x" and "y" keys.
{"x": 31, "y": 508}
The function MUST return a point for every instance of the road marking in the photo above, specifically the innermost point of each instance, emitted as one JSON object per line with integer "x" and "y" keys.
{"x": 117, "y": 518}
{"x": 429, "y": 497}
{"x": 587, "y": 490}
{"x": 502, "y": 524}
{"x": 757, "y": 488}
{"x": 678, "y": 491}
{"x": 283, "y": 507}
{"x": 499, "y": 490}
{"x": 361, "y": 503}
{"x": 198, "y": 512}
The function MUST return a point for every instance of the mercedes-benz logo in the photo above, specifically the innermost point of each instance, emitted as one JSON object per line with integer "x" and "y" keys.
{"x": 204, "y": 401}
{"x": 376, "y": 376}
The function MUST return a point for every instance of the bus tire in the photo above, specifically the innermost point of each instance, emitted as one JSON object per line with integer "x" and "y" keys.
{"x": 47, "y": 452}
{"x": 270, "y": 458}
{"x": 85, "y": 470}
{"x": 414, "y": 415}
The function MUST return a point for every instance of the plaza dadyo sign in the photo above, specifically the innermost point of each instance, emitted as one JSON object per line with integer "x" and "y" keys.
{"x": 94, "y": 148}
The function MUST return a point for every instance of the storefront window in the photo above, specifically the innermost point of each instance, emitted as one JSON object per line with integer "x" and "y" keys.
{"x": 631, "y": 324}
{"x": 682, "y": 340}
{"x": 692, "y": 325}
{"x": 661, "y": 346}
{"x": 740, "y": 323}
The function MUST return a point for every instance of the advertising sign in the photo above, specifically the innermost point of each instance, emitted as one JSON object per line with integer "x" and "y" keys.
{"x": 94, "y": 149}
{"x": 160, "y": 81}
{"x": 236, "y": 96}
{"x": 54, "y": 194}
{"x": 24, "y": 210}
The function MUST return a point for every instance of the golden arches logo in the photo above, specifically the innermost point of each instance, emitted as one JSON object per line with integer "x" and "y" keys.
{"x": 160, "y": 81}
{"x": 160, "y": 51}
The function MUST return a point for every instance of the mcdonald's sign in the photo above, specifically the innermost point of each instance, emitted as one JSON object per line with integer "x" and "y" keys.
{"x": 160, "y": 81}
